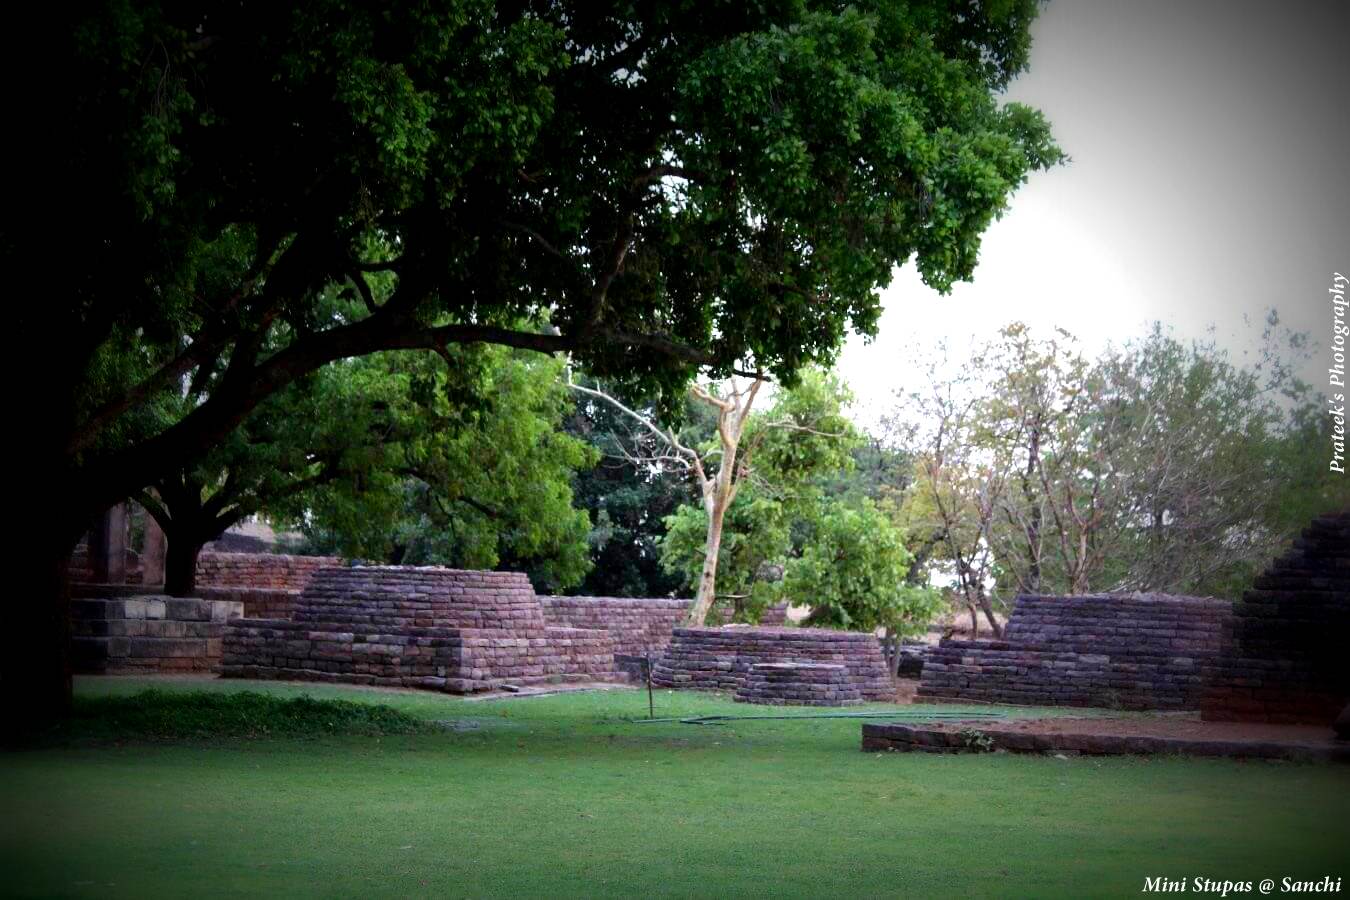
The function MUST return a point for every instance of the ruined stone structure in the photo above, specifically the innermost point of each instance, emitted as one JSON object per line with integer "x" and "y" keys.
{"x": 1104, "y": 650}
{"x": 721, "y": 658}
{"x": 268, "y": 584}
{"x": 798, "y": 684}
{"x": 148, "y": 634}
{"x": 638, "y": 625}
{"x": 445, "y": 629}
{"x": 1283, "y": 657}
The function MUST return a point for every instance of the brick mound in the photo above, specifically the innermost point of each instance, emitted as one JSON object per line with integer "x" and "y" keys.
{"x": 720, "y": 659}
{"x": 1283, "y": 656}
{"x": 798, "y": 684}
{"x": 268, "y": 584}
{"x": 429, "y": 627}
{"x": 1127, "y": 651}
{"x": 148, "y": 634}
{"x": 1110, "y": 737}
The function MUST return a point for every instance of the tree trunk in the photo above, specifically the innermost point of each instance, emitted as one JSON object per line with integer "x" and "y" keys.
{"x": 989, "y": 616}
{"x": 707, "y": 582}
{"x": 35, "y": 679}
{"x": 893, "y": 639}
{"x": 180, "y": 566}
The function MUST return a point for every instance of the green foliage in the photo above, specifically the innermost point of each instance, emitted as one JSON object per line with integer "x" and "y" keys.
{"x": 478, "y": 477}
{"x": 627, "y": 503}
{"x": 170, "y": 715}
{"x": 787, "y": 451}
{"x": 853, "y": 575}
{"x": 1158, "y": 466}
{"x": 671, "y": 189}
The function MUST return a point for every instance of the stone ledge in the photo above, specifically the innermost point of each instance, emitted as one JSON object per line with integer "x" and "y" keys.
{"x": 928, "y": 739}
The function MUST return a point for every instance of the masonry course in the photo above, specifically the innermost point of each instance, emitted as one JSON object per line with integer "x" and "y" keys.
{"x": 1283, "y": 655}
{"x": 1102, "y": 650}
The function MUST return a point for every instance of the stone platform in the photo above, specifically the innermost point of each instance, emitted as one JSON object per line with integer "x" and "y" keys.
{"x": 148, "y": 634}
{"x": 428, "y": 627}
{"x": 1090, "y": 738}
{"x": 798, "y": 684}
{"x": 1121, "y": 651}
{"x": 720, "y": 659}
{"x": 1283, "y": 656}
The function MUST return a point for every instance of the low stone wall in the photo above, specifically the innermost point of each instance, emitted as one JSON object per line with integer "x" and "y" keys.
{"x": 721, "y": 658}
{"x": 638, "y": 625}
{"x": 148, "y": 634}
{"x": 259, "y": 603}
{"x": 798, "y": 684}
{"x": 1283, "y": 657}
{"x": 1113, "y": 651}
{"x": 406, "y": 626}
{"x": 259, "y": 570}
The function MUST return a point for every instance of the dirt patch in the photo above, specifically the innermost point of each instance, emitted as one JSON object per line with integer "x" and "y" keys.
{"x": 1183, "y": 734}
{"x": 905, "y": 690}
{"x": 1187, "y": 726}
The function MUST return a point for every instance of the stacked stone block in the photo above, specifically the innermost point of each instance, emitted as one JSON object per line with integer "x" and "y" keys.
{"x": 798, "y": 684}
{"x": 638, "y": 625}
{"x": 268, "y": 584}
{"x": 1106, "y": 650}
{"x": 148, "y": 634}
{"x": 260, "y": 570}
{"x": 720, "y": 659}
{"x": 403, "y": 626}
{"x": 1283, "y": 657}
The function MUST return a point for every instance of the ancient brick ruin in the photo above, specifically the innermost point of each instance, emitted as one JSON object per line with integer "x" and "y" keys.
{"x": 148, "y": 634}
{"x": 721, "y": 658}
{"x": 267, "y": 584}
{"x": 638, "y": 625}
{"x": 444, "y": 629}
{"x": 1283, "y": 655}
{"x": 1104, "y": 650}
{"x": 798, "y": 684}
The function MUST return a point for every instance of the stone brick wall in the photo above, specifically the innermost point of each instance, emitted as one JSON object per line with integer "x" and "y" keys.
{"x": 148, "y": 634}
{"x": 259, "y": 570}
{"x": 721, "y": 658}
{"x": 1284, "y": 650}
{"x": 259, "y": 603}
{"x": 638, "y": 625}
{"x": 798, "y": 684}
{"x": 1104, "y": 650}
{"x": 81, "y": 570}
{"x": 406, "y": 626}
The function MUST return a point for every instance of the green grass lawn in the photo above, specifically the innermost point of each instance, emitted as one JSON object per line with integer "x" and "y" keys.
{"x": 560, "y": 796}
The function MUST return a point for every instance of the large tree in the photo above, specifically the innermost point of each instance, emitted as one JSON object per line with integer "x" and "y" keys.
{"x": 671, "y": 187}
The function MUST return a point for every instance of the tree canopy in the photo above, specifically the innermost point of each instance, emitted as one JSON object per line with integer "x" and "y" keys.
{"x": 667, "y": 187}
{"x": 654, "y": 188}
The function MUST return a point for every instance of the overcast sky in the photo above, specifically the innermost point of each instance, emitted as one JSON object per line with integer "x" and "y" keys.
{"x": 1207, "y": 183}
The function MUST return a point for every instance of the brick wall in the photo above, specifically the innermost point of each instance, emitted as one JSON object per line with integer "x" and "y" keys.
{"x": 406, "y": 626}
{"x": 1104, "y": 650}
{"x": 721, "y": 658}
{"x": 1284, "y": 656}
{"x": 259, "y": 570}
{"x": 148, "y": 634}
{"x": 638, "y": 625}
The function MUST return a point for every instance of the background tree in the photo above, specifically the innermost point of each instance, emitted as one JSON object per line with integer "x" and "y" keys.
{"x": 790, "y": 450}
{"x": 479, "y": 477}
{"x": 627, "y": 501}
{"x": 853, "y": 574}
{"x": 670, "y": 190}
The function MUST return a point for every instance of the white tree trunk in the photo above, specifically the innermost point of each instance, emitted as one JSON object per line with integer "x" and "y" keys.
{"x": 707, "y": 582}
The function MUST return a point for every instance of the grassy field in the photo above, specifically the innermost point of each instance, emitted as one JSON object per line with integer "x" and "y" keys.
{"x": 561, "y": 796}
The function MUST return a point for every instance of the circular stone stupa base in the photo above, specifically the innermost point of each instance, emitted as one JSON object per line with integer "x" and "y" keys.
{"x": 798, "y": 683}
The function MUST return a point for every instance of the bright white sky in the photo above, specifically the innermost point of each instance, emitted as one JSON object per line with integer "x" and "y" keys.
{"x": 1208, "y": 183}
